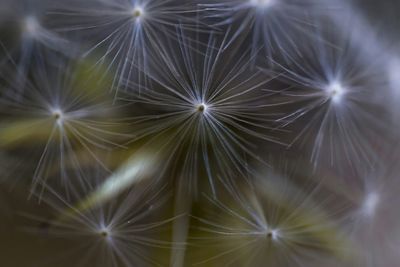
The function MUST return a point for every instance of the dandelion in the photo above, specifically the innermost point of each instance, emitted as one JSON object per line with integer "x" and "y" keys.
{"x": 274, "y": 222}
{"x": 124, "y": 33}
{"x": 371, "y": 221}
{"x": 32, "y": 36}
{"x": 153, "y": 132}
{"x": 61, "y": 121}
{"x": 208, "y": 115}
{"x": 271, "y": 24}
{"x": 128, "y": 230}
{"x": 333, "y": 100}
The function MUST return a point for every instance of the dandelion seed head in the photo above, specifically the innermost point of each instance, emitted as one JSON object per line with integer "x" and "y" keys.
{"x": 58, "y": 115}
{"x": 272, "y": 234}
{"x": 335, "y": 91}
{"x": 115, "y": 228}
{"x": 201, "y": 108}
{"x": 255, "y": 228}
{"x": 30, "y": 25}
{"x": 105, "y": 233}
{"x": 370, "y": 204}
{"x": 137, "y": 12}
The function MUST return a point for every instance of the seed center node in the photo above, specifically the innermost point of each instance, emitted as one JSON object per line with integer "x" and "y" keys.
{"x": 201, "y": 107}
